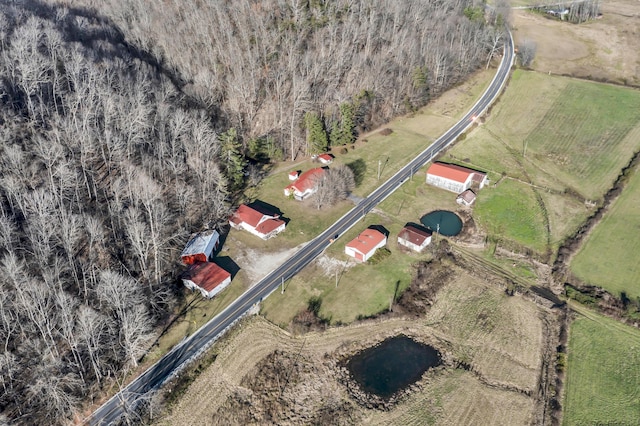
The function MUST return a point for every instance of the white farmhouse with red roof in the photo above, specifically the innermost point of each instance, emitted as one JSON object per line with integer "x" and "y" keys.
{"x": 306, "y": 184}
{"x": 200, "y": 247}
{"x": 261, "y": 224}
{"x": 454, "y": 178}
{"x": 414, "y": 238}
{"x": 365, "y": 245}
{"x": 207, "y": 277}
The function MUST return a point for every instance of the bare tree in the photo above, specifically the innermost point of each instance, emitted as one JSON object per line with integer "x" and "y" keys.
{"x": 335, "y": 185}
{"x": 527, "y": 52}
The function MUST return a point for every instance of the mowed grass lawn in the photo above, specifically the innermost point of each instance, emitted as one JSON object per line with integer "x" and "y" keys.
{"x": 618, "y": 270}
{"x": 565, "y": 139}
{"x": 603, "y": 374}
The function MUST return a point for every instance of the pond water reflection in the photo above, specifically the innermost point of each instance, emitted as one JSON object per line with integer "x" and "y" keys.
{"x": 392, "y": 365}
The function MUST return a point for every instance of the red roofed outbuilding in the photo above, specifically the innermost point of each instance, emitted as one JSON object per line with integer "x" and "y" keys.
{"x": 454, "y": 178}
{"x": 365, "y": 245}
{"x": 199, "y": 247}
{"x": 466, "y": 198}
{"x": 306, "y": 184}
{"x": 207, "y": 277}
{"x": 261, "y": 224}
{"x": 414, "y": 238}
{"x": 325, "y": 158}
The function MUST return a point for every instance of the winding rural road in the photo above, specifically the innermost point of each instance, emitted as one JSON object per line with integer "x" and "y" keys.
{"x": 126, "y": 401}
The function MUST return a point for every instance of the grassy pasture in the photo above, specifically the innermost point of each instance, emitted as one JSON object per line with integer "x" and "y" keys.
{"x": 519, "y": 221}
{"x": 566, "y": 139}
{"x": 618, "y": 271}
{"x": 582, "y": 137}
{"x": 603, "y": 374}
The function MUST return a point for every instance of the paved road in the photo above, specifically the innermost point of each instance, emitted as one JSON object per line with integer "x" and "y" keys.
{"x": 125, "y": 401}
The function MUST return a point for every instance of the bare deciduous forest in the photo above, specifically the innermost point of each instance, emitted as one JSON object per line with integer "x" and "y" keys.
{"x": 127, "y": 125}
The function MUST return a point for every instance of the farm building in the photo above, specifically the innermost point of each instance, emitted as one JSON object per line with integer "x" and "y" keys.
{"x": 200, "y": 247}
{"x": 466, "y": 198}
{"x": 454, "y": 178}
{"x": 325, "y": 158}
{"x": 259, "y": 223}
{"x": 414, "y": 238}
{"x": 306, "y": 184}
{"x": 207, "y": 277}
{"x": 365, "y": 245}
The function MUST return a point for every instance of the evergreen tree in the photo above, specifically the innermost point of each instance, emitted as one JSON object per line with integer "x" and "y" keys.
{"x": 334, "y": 135}
{"x": 317, "y": 141}
{"x": 347, "y": 124}
{"x": 233, "y": 162}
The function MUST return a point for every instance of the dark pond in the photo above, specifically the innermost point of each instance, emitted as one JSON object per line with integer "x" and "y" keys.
{"x": 392, "y": 365}
{"x": 442, "y": 221}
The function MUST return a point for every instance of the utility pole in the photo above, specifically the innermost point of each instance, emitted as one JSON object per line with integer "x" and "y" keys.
{"x": 379, "y": 164}
{"x": 282, "y": 292}
{"x": 336, "y": 278}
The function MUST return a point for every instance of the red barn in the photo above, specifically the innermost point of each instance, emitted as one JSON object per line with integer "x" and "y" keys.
{"x": 207, "y": 277}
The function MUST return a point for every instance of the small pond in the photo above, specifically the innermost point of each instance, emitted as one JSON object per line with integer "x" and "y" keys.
{"x": 442, "y": 221}
{"x": 392, "y": 365}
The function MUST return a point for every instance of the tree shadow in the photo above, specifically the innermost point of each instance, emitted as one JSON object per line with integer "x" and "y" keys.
{"x": 359, "y": 168}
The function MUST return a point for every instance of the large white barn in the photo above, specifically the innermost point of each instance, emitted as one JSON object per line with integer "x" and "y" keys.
{"x": 454, "y": 178}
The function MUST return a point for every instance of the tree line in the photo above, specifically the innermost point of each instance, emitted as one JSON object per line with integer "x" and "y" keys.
{"x": 297, "y": 76}
{"x": 106, "y": 169}
{"x": 118, "y": 139}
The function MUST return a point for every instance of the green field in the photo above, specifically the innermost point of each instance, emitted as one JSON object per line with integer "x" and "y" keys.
{"x": 603, "y": 375}
{"x": 619, "y": 270}
{"x": 565, "y": 139}
{"x": 521, "y": 221}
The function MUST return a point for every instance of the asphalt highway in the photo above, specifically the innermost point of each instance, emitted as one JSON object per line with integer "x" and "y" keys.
{"x": 125, "y": 402}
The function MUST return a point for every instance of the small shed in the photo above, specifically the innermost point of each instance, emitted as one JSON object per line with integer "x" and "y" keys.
{"x": 294, "y": 175}
{"x": 414, "y": 238}
{"x": 207, "y": 277}
{"x": 200, "y": 247}
{"x": 325, "y": 158}
{"x": 466, "y": 198}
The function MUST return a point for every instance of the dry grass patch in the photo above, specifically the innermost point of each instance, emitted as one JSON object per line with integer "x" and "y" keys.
{"x": 498, "y": 337}
{"x": 607, "y": 48}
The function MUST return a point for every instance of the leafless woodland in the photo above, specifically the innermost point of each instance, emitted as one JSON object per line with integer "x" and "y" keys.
{"x": 118, "y": 122}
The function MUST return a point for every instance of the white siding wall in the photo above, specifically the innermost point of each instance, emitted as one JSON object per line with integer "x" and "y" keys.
{"x": 449, "y": 185}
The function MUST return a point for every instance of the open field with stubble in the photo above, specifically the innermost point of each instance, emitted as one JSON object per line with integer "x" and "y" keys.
{"x": 565, "y": 145}
{"x": 499, "y": 337}
{"x": 618, "y": 271}
{"x": 603, "y": 372}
